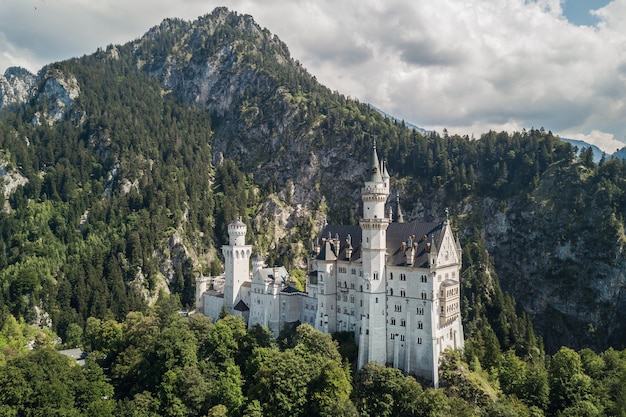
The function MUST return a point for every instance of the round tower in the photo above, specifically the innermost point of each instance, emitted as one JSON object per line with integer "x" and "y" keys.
{"x": 237, "y": 233}
{"x": 236, "y": 264}
{"x": 374, "y": 223}
{"x": 257, "y": 264}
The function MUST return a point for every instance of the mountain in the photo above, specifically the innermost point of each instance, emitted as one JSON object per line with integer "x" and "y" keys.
{"x": 581, "y": 144}
{"x": 126, "y": 165}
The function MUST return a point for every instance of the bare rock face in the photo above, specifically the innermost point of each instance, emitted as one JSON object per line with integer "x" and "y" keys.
{"x": 57, "y": 96}
{"x": 562, "y": 259}
{"x": 16, "y": 87}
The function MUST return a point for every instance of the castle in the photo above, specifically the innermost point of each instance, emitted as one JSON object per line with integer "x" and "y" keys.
{"x": 394, "y": 284}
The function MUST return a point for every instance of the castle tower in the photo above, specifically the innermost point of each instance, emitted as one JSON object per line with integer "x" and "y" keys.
{"x": 373, "y": 334}
{"x": 202, "y": 284}
{"x": 236, "y": 264}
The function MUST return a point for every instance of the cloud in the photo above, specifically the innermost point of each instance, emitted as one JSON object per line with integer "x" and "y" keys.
{"x": 477, "y": 65}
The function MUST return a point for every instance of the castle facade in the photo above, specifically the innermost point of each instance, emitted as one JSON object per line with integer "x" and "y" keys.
{"x": 394, "y": 284}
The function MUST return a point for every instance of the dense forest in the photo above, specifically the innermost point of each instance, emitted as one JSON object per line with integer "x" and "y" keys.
{"x": 126, "y": 196}
{"x": 161, "y": 363}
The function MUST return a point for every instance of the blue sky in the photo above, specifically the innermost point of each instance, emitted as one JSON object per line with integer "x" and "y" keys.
{"x": 578, "y": 12}
{"x": 467, "y": 66}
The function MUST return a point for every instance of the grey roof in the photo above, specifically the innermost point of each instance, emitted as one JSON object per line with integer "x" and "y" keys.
{"x": 75, "y": 353}
{"x": 241, "y": 306}
{"x": 272, "y": 274}
{"x": 424, "y": 234}
{"x": 375, "y": 167}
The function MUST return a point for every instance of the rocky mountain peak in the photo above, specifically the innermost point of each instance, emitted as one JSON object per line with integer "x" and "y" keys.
{"x": 16, "y": 86}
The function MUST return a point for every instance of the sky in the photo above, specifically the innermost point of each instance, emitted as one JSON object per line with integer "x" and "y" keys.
{"x": 469, "y": 66}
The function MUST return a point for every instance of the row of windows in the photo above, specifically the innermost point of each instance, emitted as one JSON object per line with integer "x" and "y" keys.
{"x": 393, "y": 336}
{"x": 439, "y": 277}
{"x": 402, "y": 292}
{"x": 451, "y": 308}
{"x": 344, "y": 270}
{"x": 423, "y": 278}
{"x": 392, "y": 321}
{"x": 452, "y": 292}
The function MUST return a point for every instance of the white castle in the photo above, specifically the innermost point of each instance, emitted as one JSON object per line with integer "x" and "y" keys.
{"x": 395, "y": 285}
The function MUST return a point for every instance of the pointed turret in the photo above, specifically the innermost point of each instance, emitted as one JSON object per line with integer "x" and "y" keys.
{"x": 398, "y": 216}
{"x": 386, "y": 176}
{"x": 375, "y": 167}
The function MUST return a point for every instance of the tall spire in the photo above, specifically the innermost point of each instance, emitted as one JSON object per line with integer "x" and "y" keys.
{"x": 376, "y": 174}
{"x": 398, "y": 217}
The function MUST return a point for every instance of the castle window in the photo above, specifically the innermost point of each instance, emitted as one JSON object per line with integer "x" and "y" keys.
{"x": 353, "y": 271}
{"x": 423, "y": 295}
{"x": 390, "y": 291}
{"x": 352, "y": 312}
{"x": 424, "y": 278}
{"x": 391, "y": 275}
{"x": 420, "y": 311}
{"x": 392, "y": 337}
{"x": 367, "y": 331}
{"x": 419, "y": 340}
{"x": 376, "y": 300}
{"x": 375, "y": 275}
{"x": 360, "y": 272}
{"x": 352, "y": 285}
{"x": 345, "y": 284}
{"x": 420, "y": 325}
{"x": 361, "y": 288}
{"x": 361, "y": 302}
{"x": 402, "y": 277}
{"x": 398, "y": 308}
{"x": 402, "y": 322}
{"x": 402, "y": 293}
{"x": 352, "y": 299}
{"x": 393, "y": 321}
{"x": 402, "y": 338}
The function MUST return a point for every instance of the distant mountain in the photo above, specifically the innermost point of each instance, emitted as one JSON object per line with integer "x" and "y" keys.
{"x": 407, "y": 124}
{"x": 580, "y": 144}
{"x": 127, "y": 165}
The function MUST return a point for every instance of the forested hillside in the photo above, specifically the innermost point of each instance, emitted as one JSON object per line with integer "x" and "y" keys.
{"x": 121, "y": 170}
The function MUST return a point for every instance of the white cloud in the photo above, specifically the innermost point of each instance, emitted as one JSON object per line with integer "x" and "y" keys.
{"x": 467, "y": 66}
